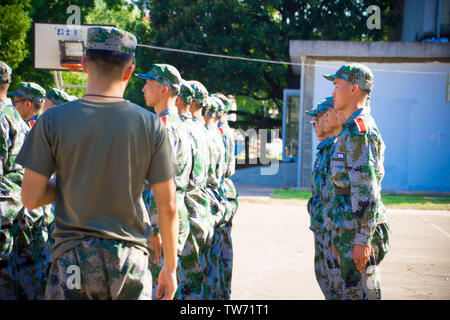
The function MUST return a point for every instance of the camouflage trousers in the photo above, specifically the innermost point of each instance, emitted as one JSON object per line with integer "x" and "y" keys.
{"x": 225, "y": 261}
{"x": 321, "y": 269}
{"x": 24, "y": 257}
{"x": 346, "y": 282}
{"x": 213, "y": 278}
{"x": 100, "y": 269}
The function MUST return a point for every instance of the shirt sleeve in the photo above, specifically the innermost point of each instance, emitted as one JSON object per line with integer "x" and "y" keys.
{"x": 362, "y": 162}
{"x": 36, "y": 153}
{"x": 163, "y": 165}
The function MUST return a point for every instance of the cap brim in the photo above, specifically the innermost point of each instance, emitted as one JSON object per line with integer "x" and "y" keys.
{"x": 330, "y": 77}
{"x": 144, "y": 76}
{"x": 311, "y": 112}
{"x": 14, "y": 93}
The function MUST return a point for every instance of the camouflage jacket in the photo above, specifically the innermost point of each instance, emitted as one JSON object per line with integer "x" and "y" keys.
{"x": 216, "y": 171}
{"x": 320, "y": 194}
{"x": 356, "y": 171}
{"x": 196, "y": 197}
{"x": 228, "y": 187}
{"x": 13, "y": 132}
{"x": 181, "y": 143}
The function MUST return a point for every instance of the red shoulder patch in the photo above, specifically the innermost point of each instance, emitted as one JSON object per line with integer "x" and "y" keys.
{"x": 360, "y": 124}
{"x": 337, "y": 139}
{"x": 31, "y": 123}
{"x": 221, "y": 131}
{"x": 164, "y": 120}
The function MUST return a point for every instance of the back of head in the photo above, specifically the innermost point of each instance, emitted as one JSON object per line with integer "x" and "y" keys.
{"x": 109, "y": 51}
{"x": 5, "y": 77}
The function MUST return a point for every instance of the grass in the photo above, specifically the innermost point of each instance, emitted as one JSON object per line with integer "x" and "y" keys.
{"x": 400, "y": 201}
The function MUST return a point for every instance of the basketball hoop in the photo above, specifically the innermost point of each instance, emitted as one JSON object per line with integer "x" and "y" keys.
{"x": 72, "y": 67}
{"x": 71, "y": 54}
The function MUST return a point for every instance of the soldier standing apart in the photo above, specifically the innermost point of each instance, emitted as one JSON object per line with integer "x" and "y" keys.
{"x": 229, "y": 192}
{"x": 360, "y": 231}
{"x": 31, "y": 227}
{"x": 319, "y": 197}
{"x": 162, "y": 85}
{"x": 193, "y": 255}
{"x": 102, "y": 148}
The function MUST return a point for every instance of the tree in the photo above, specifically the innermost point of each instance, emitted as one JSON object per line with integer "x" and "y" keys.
{"x": 14, "y": 25}
{"x": 251, "y": 28}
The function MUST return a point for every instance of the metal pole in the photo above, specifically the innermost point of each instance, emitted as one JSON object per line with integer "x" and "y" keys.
{"x": 438, "y": 24}
{"x": 55, "y": 78}
{"x": 61, "y": 80}
{"x": 300, "y": 125}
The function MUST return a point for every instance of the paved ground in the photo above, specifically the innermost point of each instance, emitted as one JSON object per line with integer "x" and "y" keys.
{"x": 274, "y": 252}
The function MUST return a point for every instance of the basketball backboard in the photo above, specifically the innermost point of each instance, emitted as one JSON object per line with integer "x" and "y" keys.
{"x": 57, "y": 46}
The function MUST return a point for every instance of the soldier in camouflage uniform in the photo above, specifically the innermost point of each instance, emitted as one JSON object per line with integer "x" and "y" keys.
{"x": 31, "y": 105}
{"x": 216, "y": 173}
{"x": 229, "y": 192}
{"x": 355, "y": 213}
{"x": 24, "y": 233}
{"x": 166, "y": 77}
{"x": 193, "y": 263}
{"x": 319, "y": 192}
{"x": 55, "y": 97}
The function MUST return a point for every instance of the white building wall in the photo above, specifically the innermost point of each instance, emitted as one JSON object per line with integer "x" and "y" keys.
{"x": 410, "y": 108}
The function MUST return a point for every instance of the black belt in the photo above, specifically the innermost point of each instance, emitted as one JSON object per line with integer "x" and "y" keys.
{"x": 342, "y": 191}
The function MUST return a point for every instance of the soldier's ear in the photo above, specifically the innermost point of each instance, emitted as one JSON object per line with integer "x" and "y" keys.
{"x": 28, "y": 104}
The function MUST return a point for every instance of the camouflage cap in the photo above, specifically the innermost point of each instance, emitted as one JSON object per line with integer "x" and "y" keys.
{"x": 165, "y": 74}
{"x": 30, "y": 90}
{"x": 111, "y": 39}
{"x": 356, "y": 73}
{"x": 226, "y": 102}
{"x": 201, "y": 94}
{"x": 186, "y": 92}
{"x": 217, "y": 105}
{"x": 322, "y": 107}
{"x": 58, "y": 96}
{"x": 5, "y": 72}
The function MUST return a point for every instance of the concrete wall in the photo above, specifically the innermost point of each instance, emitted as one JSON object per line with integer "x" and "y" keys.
{"x": 414, "y": 119}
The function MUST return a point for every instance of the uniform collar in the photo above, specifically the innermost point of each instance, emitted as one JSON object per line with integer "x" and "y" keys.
{"x": 356, "y": 114}
{"x": 199, "y": 119}
{"x": 186, "y": 116}
{"x": 170, "y": 110}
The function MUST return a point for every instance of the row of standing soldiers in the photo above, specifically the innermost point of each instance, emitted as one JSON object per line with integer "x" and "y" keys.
{"x": 203, "y": 144}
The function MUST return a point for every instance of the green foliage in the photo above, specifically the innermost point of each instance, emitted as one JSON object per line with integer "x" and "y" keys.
{"x": 14, "y": 25}
{"x": 256, "y": 29}
{"x": 250, "y": 28}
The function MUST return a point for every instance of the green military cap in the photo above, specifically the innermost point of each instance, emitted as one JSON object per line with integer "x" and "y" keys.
{"x": 187, "y": 93}
{"x": 226, "y": 102}
{"x": 111, "y": 39}
{"x": 322, "y": 107}
{"x": 201, "y": 94}
{"x": 30, "y": 90}
{"x": 217, "y": 105}
{"x": 5, "y": 72}
{"x": 356, "y": 73}
{"x": 58, "y": 96}
{"x": 165, "y": 74}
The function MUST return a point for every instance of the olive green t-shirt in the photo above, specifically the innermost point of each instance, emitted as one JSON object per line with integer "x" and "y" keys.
{"x": 101, "y": 154}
